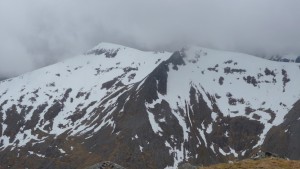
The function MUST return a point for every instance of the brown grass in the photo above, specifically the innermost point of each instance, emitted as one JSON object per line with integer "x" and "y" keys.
{"x": 268, "y": 163}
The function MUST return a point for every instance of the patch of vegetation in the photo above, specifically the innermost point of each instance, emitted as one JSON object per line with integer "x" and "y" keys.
{"x": 266, "y": 163}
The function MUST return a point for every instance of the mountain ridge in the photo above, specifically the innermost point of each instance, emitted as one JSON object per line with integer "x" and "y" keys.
{"x": 124, "y": 105}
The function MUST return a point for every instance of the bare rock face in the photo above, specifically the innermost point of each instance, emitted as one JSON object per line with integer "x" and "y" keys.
{"x": 284, "y": 139}
{"x": 106, "y": 165}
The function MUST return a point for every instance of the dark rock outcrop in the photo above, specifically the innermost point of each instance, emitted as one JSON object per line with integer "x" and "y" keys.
{"x": 105, "y": 165}
{"x": 298, "y": 59}
{"x": 284, "y": 139}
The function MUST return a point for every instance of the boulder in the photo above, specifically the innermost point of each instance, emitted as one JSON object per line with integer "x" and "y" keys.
{"x": 106, "y": 165}
{"x": 186, "y": 166}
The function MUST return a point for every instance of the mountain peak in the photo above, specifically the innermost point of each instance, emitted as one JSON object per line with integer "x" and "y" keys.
{"x": 109, "y": 49}
{"x": 108, "y": 46}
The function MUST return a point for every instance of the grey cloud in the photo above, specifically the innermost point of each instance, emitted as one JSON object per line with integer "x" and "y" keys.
{"x": 34, "y": 33}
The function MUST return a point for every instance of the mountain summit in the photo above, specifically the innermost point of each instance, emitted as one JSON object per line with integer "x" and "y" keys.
{"x": 149, "y": 109}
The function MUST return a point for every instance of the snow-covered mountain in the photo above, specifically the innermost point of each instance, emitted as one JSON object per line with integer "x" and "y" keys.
{"x": 145, "y": 109}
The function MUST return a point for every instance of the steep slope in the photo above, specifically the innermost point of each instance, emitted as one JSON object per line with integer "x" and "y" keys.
{"x": 67, "y": 98}
{"x": 284, "y": 139}
{"x": 61, "y": 92}
{"x": 144, "y": 109}
{"x": 224, "y": 102}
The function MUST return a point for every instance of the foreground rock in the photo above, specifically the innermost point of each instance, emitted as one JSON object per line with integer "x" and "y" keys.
{"x": 106, "y": 165}
{"x": 262, "y": 154}
{"x": 186, "y": 166}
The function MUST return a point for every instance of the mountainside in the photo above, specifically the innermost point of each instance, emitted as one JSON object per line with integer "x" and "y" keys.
{"x": 284, "y": 138}
{"x": 146, "y": 109}
{"x": 286, "y": 58}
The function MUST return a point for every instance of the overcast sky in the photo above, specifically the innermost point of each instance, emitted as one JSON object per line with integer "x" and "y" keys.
{"x": 34, "y": 33}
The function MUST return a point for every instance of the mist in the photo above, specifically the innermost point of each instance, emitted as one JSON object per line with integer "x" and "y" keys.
{"x": 35, "y": 33}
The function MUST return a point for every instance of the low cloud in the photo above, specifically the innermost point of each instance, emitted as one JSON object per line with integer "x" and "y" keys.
{"x": 34, "y": 33}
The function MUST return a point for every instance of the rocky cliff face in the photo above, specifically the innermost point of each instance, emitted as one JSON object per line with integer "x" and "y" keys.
{"x": 145, "y": 109}
{"x": 284, "y": 139}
